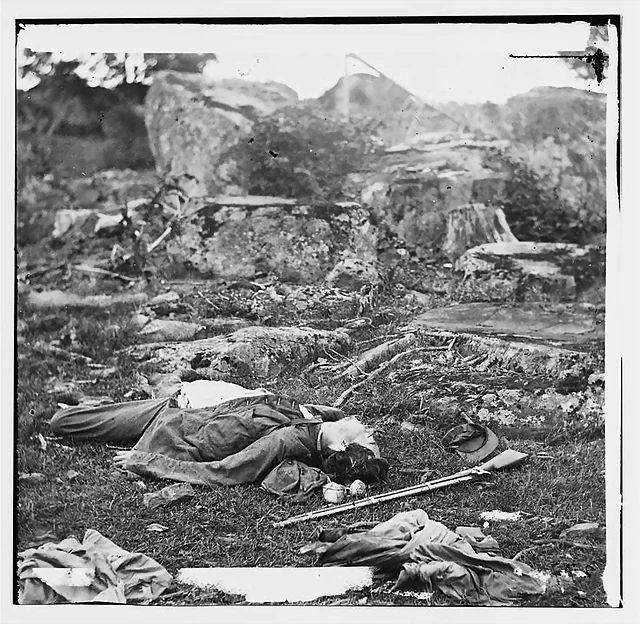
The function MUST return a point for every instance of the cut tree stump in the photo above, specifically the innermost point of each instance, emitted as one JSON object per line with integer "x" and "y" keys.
{"x": 471, "y": 225}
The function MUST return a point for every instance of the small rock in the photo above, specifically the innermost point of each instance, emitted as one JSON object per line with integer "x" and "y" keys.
{"x": 168, "y": 297}
{"x": 166, "y": 330}
{"x": 409, "y": 427}
{"x": 108, "y": 224}
{"x": 33, "y": 477}
{"x": 158, "y": 528}
{"x": 583, "y": 528}
{"x": 67, "y": 218}
{"x": 489, "y": 399}
{"x": 352, "y": 274}
{"x": 500, "y": 516}
{"x": 105, "y": 372}
{"x": 138, "y": 321}
{"x": 596, "y": 379}
{"x": 445, "y": 407}
{"x": 72, "y": 474}
{"x": 170, "y": 495}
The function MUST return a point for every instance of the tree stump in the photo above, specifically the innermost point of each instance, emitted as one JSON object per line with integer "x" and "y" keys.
{"x": 471, "y": 225}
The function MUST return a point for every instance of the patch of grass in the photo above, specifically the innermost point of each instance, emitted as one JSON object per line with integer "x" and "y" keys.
{"x": 232, "y": 526}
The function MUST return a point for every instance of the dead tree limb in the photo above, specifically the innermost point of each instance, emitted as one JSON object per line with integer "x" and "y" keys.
{"x": 373, "y": 375}
{"x": 372, "y": 358}
{"x": 159, "y": 239}
{"x": 89, "y": 269}
{"x": 546, "y": 542}
{"x": 48, "y": 349}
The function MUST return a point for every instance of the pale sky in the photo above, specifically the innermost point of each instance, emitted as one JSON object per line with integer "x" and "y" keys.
{"x": 438, "y": 62}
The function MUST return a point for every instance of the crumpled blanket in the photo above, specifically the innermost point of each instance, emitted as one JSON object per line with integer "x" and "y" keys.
{"x": 294, "y": 480}
{"x": 426, "y": 553}
{"x": 95, "y": 570}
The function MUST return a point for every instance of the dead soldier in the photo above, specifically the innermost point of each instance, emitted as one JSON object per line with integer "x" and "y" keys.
{"x": 224, "y": 434}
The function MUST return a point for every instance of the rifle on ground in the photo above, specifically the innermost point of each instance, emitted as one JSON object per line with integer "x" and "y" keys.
{"x": 506, "y": 459}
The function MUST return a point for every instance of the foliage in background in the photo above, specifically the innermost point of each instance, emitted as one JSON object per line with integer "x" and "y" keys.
{"x": 534, "y": 207}
{"x": 108, "y": 69}
{"x": 300, "y": 152}
{"x": 587, "y": 66}
{"x": 557, "y": 163}
{"x": 97, "y": 99}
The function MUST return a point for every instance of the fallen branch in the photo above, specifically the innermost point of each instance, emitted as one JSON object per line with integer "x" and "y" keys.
{"x": 203, "y": 296}
{"x": 373, "y": 375}
{"x": 391, "y": 336}
{"x": 47, "y": 349}
{"x": 371, "y": 358}
{"x": 159, "y": 239}
{"x": 347, "y": 360}
{"x": 89, "y": 269}
{"x": 540, "y": 543}
{"x": 312, "y": 367}
{"x": 357, "y": 323}
{"x": 43, "y": 271}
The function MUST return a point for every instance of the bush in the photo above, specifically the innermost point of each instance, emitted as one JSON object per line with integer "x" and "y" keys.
{"x": 33, "y": 157}
{"x": 299, "y": 152}
{"x": 536, "y": 210}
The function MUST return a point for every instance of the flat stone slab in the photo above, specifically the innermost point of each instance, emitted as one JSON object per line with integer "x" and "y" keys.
{"x": 567, "y": 324}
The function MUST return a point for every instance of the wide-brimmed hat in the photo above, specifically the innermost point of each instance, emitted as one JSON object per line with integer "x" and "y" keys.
{"x": 471, "y": 442}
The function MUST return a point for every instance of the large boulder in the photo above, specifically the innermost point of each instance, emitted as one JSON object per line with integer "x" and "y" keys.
{"x": 258, "y": 352}
{"x": 530, "y": 271}
{"x": 417, "y": 185}
{"x": 239, "y": 237}
{"x": 193, "y": 120}
{"x": 400, "y": 115}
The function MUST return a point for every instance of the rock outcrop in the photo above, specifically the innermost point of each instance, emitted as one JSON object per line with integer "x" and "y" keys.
{"x": 528, "y": 271}
{"x": 401, "y": 115}
{"x": 258, "y": 352}
{"x": 192, "y": 121}
{"x": 416, "y": 185}
{"x": 559, "y": 132}
{"x": 239, "y": 237}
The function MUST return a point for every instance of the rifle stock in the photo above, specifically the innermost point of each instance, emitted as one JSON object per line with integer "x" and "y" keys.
{"x": 506, "y": 459}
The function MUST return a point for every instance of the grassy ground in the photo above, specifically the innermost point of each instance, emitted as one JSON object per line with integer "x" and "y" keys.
{"x": 232, "y": 526}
